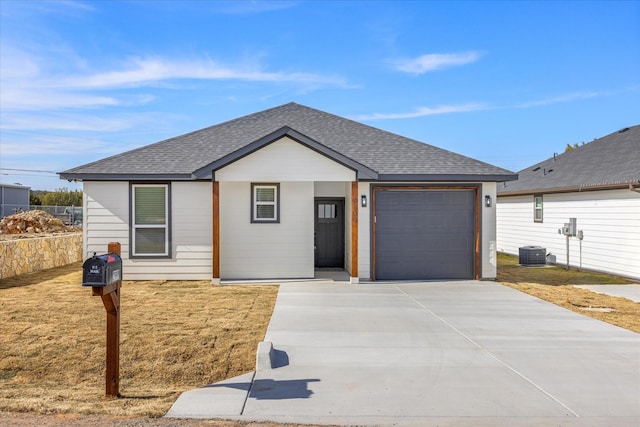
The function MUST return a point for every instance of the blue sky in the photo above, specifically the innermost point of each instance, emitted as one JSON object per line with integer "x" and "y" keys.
{"x": 509, "y": 83}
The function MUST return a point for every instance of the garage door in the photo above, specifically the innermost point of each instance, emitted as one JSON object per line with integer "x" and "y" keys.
{"x": 424, "y": 234}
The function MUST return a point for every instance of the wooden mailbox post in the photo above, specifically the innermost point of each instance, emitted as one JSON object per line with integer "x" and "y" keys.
{"x": 110, "y": 295}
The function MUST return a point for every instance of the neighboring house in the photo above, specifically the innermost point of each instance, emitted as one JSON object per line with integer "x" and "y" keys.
{"x": 283, "y": 192}
{"x": 598, "y": 184}
{"x": 13, "y": 198}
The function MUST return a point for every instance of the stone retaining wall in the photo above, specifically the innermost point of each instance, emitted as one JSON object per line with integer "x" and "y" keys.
{"x": 22, "y": 256}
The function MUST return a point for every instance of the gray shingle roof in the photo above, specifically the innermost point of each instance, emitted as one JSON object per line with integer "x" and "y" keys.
{"x": 386, "y": 153}
{"x": 610, "y": 161}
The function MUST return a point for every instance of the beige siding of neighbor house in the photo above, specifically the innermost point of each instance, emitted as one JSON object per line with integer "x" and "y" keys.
{"x": 609, "y": 219}
{"x": 285, "y": 249}
{"x": 107, "y": 220}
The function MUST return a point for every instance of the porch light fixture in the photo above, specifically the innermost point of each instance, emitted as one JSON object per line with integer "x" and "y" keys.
{"x": 487, "y": 201}
{"x": 363, "y": 201}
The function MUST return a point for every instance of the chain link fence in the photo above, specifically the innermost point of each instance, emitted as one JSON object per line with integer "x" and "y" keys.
{"x": 69, "y": 215}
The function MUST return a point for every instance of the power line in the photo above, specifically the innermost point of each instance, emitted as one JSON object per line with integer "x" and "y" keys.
{"x": 28, "y": 170}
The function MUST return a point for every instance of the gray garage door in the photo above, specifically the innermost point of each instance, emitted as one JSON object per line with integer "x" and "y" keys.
{"x": 424, "y": 234}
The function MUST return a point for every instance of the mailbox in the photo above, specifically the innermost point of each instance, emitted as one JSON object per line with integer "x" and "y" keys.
{"x": 102, "y": 270}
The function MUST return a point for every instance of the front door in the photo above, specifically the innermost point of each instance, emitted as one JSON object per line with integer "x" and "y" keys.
{"x": 329, "y": 233}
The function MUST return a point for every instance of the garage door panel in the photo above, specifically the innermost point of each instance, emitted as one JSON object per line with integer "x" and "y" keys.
{"x": 425, "y": 234}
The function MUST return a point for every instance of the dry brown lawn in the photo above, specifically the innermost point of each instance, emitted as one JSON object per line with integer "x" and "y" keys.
{"x": 175, "y": 336}
{"x": 555, "y": 284}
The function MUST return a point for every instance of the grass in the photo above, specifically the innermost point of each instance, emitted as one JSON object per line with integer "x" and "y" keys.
{"x": 174, "y": 336}
{"x": 555, "y": 285}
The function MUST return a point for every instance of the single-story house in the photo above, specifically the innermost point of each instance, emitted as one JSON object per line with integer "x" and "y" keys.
{"x": 13, "y": 198}
{"x": 598, "y": 184}
{"x": 283, "y": 192}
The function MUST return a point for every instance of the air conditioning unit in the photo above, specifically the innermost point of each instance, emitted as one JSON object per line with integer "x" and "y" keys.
{"x": 532, "y": 256}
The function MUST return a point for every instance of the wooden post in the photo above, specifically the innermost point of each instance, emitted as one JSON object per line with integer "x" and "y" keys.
{"x": 111, "y": 299}
{"x": 216, "y": 233}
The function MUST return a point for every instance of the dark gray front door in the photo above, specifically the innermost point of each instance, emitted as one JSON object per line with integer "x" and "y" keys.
{"x": 424, "y": 234}
{"x": 329, "y": 233}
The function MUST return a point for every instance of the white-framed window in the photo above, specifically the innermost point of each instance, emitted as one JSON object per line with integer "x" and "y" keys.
{"x": 537, "y": 208}
{"x": 265, "y": 202}
{"x": 150, "y": 220}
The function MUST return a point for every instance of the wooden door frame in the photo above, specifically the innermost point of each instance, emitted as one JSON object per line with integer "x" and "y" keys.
{"x": 477, "y": 188}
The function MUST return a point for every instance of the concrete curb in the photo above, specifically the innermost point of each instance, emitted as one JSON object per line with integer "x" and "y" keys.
{"x": 264, "y": 356}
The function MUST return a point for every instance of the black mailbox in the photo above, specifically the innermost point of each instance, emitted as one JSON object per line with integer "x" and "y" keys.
{"x": 102, "y": 270}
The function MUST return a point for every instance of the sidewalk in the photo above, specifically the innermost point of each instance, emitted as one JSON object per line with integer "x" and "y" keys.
{"x": 631, "y": 292}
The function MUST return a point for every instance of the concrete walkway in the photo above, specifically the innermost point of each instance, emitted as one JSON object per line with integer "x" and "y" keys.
{"x": 631, "y": 292}
{"x": 426, "y": 354}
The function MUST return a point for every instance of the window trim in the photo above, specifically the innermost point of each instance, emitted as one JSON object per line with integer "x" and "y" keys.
{"x": 133, "y": 227}
{"x": 536, "y": 208}
{"x": 255, "y": 203}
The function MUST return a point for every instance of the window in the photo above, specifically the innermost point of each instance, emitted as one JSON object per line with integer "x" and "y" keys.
{"x": 150, "y": 220}
{"x": 537, "y": 208}
{"x": 326, "y": 211}
{"x": 265, "y": 202}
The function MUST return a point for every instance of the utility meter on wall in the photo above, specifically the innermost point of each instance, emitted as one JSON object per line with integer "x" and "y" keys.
{"x": 570, "y": 228}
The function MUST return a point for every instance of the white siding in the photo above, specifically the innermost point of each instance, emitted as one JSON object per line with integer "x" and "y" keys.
{"x": 264, "y": 251}
{"x": 488, "y": 251}
{"x": 107, "y": 220}
{"x": 285, "y": 160}
{"x": 609, "y": 219}
{"x": 283, "y": 250}
{"x": 106, "y": 209}
{"x": 364, "y": 233}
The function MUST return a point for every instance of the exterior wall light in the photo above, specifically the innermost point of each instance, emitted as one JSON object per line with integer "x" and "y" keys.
{"x": 487, "y": 201}
{"x": 363, "y": 201}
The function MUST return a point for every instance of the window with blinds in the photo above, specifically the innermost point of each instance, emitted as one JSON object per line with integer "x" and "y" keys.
{"x": 150, "y": 224}
{"x": 537, "y": 208}
{"x": 265, "y": 202}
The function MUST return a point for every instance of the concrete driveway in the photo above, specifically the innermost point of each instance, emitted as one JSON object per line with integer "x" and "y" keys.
{"x": 460, "y": 353}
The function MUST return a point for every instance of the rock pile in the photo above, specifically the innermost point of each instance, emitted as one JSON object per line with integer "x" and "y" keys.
{"x": 32, "y": 222}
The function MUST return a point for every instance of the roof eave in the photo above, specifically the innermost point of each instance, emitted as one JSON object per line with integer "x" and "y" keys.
{"x": 74, "y": 176}
{"x": 570, "y": 189}
{"x": 449, "y": 177}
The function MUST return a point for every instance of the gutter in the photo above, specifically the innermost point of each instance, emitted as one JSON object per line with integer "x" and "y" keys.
{"x": 574, "y": 189}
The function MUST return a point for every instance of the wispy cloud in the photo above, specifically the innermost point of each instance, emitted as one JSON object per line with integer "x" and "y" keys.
{"x": 39, "y": 145}
{"x": 568, "y": 97}
{"x": 470, "y": 107}
{"x": 29, "y": 83}
{"x": 140, "y": 72}
{"x": 17, "y": 98}
{"x": 435, "y": 61}
{"x": 423, "y": 111}
{"x": 69, "y": 122}
{"x": 253, "y": 6}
